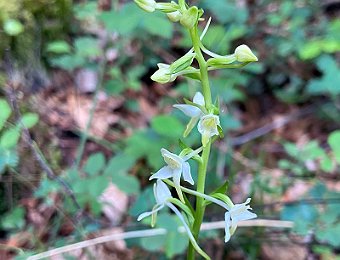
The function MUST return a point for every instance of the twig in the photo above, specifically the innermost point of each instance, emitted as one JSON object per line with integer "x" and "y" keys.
{"x": 35, "y": 150}
{"x": 156, "y": 232}
{"x": 84, "y": 135}
{"x": 261, "y": 131}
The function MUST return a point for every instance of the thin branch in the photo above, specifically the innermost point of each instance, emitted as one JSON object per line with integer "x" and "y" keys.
{"x": 35, "y": 150}
{"x": 156, "y": 232}
{"x": 261, "y": 131}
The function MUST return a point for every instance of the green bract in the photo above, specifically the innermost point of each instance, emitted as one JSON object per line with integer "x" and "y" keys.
{"x": 189, "y": 17}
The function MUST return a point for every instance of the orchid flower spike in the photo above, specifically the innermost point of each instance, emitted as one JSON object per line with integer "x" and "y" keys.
{"x": 208, "y": 127}
{"x": 192, "y": 111}
{"x": 237, "y": 213}
{"x": 176, "y": 166}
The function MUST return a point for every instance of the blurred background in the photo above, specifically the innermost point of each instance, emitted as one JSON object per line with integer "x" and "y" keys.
{"x": 76, "y": 75}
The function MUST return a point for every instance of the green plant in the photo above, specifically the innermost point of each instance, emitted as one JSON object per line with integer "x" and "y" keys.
{"x": 205, "y": 114}
{"x": 9, "y": 137}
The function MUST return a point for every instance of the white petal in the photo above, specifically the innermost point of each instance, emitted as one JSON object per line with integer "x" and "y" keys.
{"x": 227, "y": 226}
{"x": 173, "y": 160}
{"x": 188, "y": 110}
{"x": 162, "y": 192}
{"x": 149, "y": 213}
{"x": 199, "y": 99}
{"x": 246, "y": 215}
{"x": 187, "y": 174}
{"x": 164, "y": 173}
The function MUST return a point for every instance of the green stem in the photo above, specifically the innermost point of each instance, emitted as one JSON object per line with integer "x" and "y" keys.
{"x": 202, "y": 170}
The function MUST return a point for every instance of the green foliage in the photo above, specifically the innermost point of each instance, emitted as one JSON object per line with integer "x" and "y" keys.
{"x": 328, "y": 84}
{"x": 173, "y": 243}
{"x": 323, "y": 220}
{"x": 13, "y": 220}
{"x": 311, "y": 154}
{"x": 9, "y": 136}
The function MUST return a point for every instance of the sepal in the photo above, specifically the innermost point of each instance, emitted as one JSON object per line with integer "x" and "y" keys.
{"x": 190, "y": 17}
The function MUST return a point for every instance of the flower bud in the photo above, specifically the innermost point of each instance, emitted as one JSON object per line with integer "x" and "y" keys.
{"x": 147, "y": 5}
{"x": 174, "y": 16}
{"x": 208, "y": 127}
{"x": 189, "y": 17}
{"x": 223, "y": 60}
{"x": 163, "y": 74}
{"x": 182, "y": 63}
{"x": 244, "y": 54}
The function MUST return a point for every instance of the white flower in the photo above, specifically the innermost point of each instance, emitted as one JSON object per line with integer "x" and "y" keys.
{"x": 237, "y": 213}
{"x": 244, "y": 54}
{"x": 162, "y": 194}
{"x": 192, "y": 111}
{"x": 176, "y": 166}
{"x": 147, "y": 5}
{"x": 208, "y": 127}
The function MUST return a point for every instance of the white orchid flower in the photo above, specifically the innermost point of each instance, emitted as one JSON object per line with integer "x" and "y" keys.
{"x": 192, "y": 111}
{"x": 237, "y": 213}
{"x": 208, "y": 127}
{"x": 234, "y": 214}
{"x": 176, "y": 166}
{"x": 162, "y": 196}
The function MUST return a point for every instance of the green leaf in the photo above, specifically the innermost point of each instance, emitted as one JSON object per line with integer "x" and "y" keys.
{"x": 167, "y": 126}
{"x": 330, "y": 234}
{"x": 30, "y": 119}
{"x": 126, "y": 183}
{"x": 59, "y": 47}
{"x": 14, "y": 219}
{"x": 87, "y": 47}
{"x": 145, "y": 201}
{"x": 223, "y": 188}
{"x": 96, "y": 186}
{"x": 8, "y": 158}
{"x": 13, "y": 27}
{"x": 176, "y": 243}
{"x": 153, "y": 244}
{"x": 5, "y": 112}
{"x": 10, "y": 138}
{"x": 94, "y": 164}
{"x": 119, "y": 164}
{"x": 334, "y": 143}
{"x": 68, "y": 62}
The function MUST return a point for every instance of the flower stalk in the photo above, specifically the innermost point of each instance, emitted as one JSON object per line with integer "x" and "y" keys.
{"x": 205, "y": 115}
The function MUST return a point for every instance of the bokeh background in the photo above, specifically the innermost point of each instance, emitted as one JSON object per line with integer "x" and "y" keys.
{"x": 79, "y": 73}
